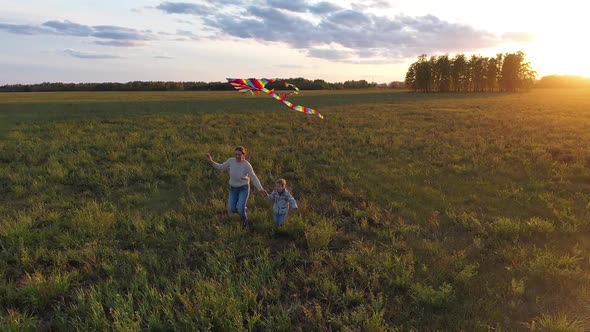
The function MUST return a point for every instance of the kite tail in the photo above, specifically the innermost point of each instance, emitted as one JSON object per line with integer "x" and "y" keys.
{"x": 289, "y": 104}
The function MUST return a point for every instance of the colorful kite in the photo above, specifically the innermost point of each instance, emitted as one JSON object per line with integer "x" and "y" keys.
{"x": 254, "y": 85}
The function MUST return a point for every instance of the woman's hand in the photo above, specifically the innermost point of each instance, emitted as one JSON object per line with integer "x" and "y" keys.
{"x": 209, "y": 157}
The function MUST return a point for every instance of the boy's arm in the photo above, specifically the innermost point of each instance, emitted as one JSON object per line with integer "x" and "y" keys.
{"x": 292, "y": 201}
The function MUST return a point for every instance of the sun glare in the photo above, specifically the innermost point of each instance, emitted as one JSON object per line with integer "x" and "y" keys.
{"x": 559, "y": 48}
{"x": 559, "y": 55}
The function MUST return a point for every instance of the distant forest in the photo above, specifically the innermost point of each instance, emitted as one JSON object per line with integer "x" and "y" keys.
{"x": 301, "y": 83}
{"x": 506, "y": 72}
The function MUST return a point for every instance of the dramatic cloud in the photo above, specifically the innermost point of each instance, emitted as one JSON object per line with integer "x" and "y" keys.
{"x": 106, "y": 34}
{"x": 89, "y": 55}
{"x": 321, "y": 29}
{"x": 358, "y": 35}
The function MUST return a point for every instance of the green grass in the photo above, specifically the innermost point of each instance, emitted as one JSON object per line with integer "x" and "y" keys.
{"x": 417, "y": 212}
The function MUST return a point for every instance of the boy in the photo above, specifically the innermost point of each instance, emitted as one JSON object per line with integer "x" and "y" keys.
{"x": 281, "y": 198}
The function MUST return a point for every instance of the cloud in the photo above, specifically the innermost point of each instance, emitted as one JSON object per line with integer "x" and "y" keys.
{"x": 353, "y": 33}
{"x": 292, "y": 5}
{"x": 118, "y": 43}
{"x": 107, "y": 35}
{"x": 185, "y": 22}
{"x": 68, "y": 28}
{"x": 330, "y": 54}
{"x": 22, "y": 29}
{"x": 367, "y": 4}
{"x": 302, "y": 6}
{"x": 214, "y": 7}
{"x": 165, "y": 57}
{"x": 120, "y": 36}
{"x": 323, "y": 8}
{"x": 349, "y": 19}
{"x": 184, "y": 8}
{"x": 187, "y": 34}
{"x": 89, "y": 55}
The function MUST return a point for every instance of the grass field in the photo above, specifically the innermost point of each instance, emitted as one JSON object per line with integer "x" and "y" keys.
{"x": 417, "y": 212}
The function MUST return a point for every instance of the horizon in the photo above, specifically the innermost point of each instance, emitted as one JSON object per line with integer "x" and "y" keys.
{"x": 193, "y": 41}
{"x": 209, "y": 82}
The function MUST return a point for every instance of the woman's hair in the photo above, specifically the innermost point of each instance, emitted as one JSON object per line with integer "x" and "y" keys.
{"x": 241, "y": 149}
{"x": 282, "y": 182}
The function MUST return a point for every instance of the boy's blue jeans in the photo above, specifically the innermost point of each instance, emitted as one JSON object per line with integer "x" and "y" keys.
{"x": 279, "y": 219}
{"x": 238, "y": 196}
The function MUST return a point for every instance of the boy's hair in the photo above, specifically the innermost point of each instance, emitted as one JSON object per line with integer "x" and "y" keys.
{"x": 282, "y": 182}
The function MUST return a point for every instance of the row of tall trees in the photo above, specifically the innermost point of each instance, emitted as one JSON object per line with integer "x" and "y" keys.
{"x": 506, "y": 72}
{"x": 301, "y": 83}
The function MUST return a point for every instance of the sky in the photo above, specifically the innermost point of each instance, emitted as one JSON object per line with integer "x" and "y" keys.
{"x": 211, "y": 40}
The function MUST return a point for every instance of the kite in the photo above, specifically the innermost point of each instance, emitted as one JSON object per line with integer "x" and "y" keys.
{"x": 254, "y": 85}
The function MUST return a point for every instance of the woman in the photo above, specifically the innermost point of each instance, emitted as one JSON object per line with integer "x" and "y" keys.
{"x": 240, "y": 174}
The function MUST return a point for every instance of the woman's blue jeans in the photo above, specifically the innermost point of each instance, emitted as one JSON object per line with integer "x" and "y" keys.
{"x": 238, "y": 196}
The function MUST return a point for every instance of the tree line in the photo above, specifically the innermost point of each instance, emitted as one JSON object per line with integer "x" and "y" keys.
{"x": 505, "y": 72}
{"x": 301, "y": 83}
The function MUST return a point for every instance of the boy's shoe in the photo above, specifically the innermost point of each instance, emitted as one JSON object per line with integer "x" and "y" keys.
{"x": 245, "y": 223}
